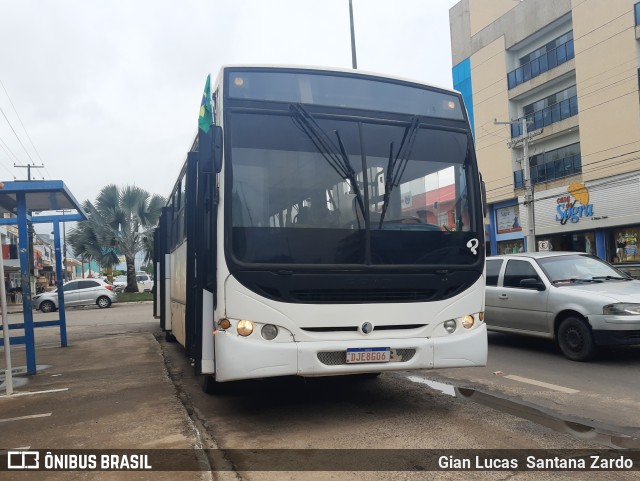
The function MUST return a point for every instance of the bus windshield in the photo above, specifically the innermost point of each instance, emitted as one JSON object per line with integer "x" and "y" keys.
{"x": 324, "y": 190}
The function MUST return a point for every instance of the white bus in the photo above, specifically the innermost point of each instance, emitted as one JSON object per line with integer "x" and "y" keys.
{"x": 328, "y": 222}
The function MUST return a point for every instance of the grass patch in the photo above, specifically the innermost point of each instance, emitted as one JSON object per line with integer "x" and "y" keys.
{"x": 134, "y": 296}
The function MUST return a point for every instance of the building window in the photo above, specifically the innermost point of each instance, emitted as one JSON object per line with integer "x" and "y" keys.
{"x": 543, "y": 59}
{"x": 552, "y": 165}
{"x": 622, "y": 244}
{"x": 570, "y": 241}
{"x": 16, "y": 279}
{"x": 636, "y": 9}
{"x": 554, "y": 108}
{"x": 511, "y": 247}
{"x": 443, "y": 219}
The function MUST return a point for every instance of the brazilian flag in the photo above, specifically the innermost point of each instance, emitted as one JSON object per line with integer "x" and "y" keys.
{"x": 206, "y": 115}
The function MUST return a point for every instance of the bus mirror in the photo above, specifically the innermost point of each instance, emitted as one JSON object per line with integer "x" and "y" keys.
{"x": 483, "y": 187}
{"x": 216, "y": 149}
{"x": 210, "y": 150}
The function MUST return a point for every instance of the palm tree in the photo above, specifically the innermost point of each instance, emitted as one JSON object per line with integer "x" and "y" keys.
{"x": 120, "y": 223}
{"x": 88, "y": 239}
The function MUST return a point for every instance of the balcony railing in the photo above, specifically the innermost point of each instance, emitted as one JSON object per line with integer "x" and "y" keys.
{"x": 551, "y": 170}
{"x": 552, "y": 58}
{"x": 547, "y": 116}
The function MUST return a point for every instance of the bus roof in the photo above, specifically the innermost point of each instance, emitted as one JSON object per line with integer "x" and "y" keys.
{"x": 350, "y": 71}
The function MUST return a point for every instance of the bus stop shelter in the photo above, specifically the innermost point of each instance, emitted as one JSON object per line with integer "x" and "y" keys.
{"x": 22, "y": 199}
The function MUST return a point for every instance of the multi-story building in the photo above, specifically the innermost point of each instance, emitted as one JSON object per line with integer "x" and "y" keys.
{"x": 44, "y": 260}
{"x": 571, "y": 69}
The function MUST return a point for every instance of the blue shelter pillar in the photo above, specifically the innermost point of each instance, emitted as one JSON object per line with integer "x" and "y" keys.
{"x": 25, "y": 275}
{"x": 61, "y": 310}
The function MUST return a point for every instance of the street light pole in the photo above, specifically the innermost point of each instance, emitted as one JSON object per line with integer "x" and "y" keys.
{"x": 354, "y": 62}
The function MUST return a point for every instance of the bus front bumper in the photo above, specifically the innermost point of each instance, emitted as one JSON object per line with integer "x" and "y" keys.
{"x": 242, "y": 358}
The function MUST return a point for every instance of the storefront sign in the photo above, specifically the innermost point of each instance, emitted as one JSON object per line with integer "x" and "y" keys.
{"x": 574, "y": 206}
{"x": 508, "y": 220}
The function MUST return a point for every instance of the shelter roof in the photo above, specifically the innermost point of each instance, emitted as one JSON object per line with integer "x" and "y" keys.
{"x": 40, "y": 195}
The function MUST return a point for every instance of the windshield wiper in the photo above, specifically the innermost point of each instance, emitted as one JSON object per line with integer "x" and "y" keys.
{"x": 572, "y": 280}
{"x": 617, "y": 278}
{"x": 398, "y": 164}
{"x": 336, "y": 157}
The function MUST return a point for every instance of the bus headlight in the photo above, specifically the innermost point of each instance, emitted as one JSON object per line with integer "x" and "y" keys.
{"x": 467, "y": 321}
{"x": 244, "y": 327}
{"x": 269, "y": 332}
{"x": 450, "y": 326}
{"x": 470, "y": 320}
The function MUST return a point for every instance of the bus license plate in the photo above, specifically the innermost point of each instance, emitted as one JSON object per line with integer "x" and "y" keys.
{"x": 368, "y": 354}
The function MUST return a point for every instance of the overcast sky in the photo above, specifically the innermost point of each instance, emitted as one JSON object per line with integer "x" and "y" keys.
{"x": 109, "y": 91}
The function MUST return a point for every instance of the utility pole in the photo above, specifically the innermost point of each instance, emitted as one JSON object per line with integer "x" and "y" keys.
{"x": 29, "y": 167}
{"x": 65, "y": 275}
{"x": 30, "y": 227}
{"x": 526, "y": 136}
{"x": 354, "y": 62}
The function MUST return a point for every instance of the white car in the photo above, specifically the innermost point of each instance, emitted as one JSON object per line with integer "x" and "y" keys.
{"x": 119, "y": 283}
{"x": 81, "y": 292}
{"x": 144, "y": 281}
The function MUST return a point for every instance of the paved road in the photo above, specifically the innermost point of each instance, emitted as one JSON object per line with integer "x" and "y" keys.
{"x": 604, "y": 391}
{"x": 394, "y": 411}
{"x": 397, "y": 411}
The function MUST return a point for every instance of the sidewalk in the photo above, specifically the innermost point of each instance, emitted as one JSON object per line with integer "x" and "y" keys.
{"x": 108, "y": 392}
{"x": 13, "y": 309}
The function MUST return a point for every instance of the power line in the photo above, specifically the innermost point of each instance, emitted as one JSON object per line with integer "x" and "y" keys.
{"x": 581, "y": 96}
{"x": 8, "y": 151}
{"x": 21, "y": 123}
{"x": 488, "y": 133}
{"x": 25, "y": 131}
{"x": 574, "y": 39}
{"x": 580, "y": 52}
{"x": 581, "y": 110}
{"x": 29, "y": 167}
{"x": 593, "y": 187}
{"x": 5, "y": 167}
{"x": 16, "y": 134}
{"x": 588, "y": 170}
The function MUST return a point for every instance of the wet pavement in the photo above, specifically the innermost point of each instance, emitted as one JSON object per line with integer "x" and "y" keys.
{"x": 109, "y": 390}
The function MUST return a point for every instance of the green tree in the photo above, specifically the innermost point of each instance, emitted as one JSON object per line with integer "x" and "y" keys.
{"x": 120, "y": 223}
{"x": 89, "y": 238}
{"x": 148, "y": 268}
